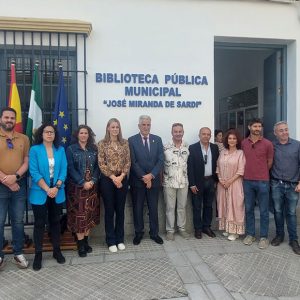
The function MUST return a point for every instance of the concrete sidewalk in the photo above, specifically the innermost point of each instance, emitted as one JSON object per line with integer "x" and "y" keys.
{"x": 183, "y": 269}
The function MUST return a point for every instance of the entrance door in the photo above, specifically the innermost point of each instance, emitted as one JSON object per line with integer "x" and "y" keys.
{"x": 251, "y": 87}
{"x": 272, "y": 93}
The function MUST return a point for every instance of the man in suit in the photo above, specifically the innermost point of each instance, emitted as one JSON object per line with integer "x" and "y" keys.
{"x": 147, "y": 160}
{"x": 202, "y": 177}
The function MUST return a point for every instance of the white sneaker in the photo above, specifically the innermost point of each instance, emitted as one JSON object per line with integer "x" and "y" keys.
{"x": 225, "y": 233}
{"x": 113, "y": 249}
{"x": 170, "y": 236}
{"x": 184, "y": 234}
{"x": 263, "y": 243}
{"x": 248, "y": 240}
{"x": 2, "y": 263}
{"x": 20, "y": 261}
{"x": 233, "y": 237}
{"x": 121, "y": 246}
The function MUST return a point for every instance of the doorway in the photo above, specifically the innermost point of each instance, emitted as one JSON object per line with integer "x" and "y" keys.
{"x": 248, "y": 84}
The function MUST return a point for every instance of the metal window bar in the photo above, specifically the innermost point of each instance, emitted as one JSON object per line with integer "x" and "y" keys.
{"x": 49, "y": 49}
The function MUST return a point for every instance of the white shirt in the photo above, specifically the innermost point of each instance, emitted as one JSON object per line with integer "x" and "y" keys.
{"x": 175, "y": 165}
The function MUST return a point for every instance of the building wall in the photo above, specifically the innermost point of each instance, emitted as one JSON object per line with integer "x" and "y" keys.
{"x": 167, "y": 37}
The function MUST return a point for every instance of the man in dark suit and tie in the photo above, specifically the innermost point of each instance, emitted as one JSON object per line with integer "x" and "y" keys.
{"x": 147, "y": 160}
{"x": 202, "y": 163}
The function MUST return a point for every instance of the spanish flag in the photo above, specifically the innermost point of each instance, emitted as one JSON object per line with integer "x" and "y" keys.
{"x": 14, "y": 99}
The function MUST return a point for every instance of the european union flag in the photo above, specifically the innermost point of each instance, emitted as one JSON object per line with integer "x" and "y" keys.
{"x": 61, "y": 114}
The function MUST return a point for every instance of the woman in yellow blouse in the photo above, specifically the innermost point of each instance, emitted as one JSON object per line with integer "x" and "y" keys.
{"x": 114, "y": 163}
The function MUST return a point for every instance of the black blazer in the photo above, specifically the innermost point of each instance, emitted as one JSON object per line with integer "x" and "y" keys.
{"x": 196, "y": 164}
{"x": 143, "y": 163}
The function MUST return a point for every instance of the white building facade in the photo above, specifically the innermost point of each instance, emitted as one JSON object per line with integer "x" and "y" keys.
{"x": 199, "y": 62}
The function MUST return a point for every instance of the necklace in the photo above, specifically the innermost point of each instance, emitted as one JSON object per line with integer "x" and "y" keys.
{"x": 114, "y": 145}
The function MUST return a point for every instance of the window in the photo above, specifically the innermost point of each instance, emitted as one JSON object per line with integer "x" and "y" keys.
{"x": 49, "y": 50}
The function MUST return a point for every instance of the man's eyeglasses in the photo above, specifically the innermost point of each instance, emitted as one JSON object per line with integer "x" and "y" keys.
{"x": 205, "y": 158}
{"x": 9, "y": 144}
{"x": 48, "y": 132}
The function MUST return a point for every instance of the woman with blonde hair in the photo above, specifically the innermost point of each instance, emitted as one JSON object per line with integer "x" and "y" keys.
{"x": 114, "y": 163}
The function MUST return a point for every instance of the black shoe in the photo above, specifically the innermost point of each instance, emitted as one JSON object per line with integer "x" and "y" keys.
{"x": 87, "y": 247}
{"x": 58, "y": 256}
{"x": 295, "y": 246}
{"x": 157, "y": 239}
{"x": 277, "y": 240}
{"x": 81, "y": 248}
{"x": 37, "y": 262}
{"x": 137, "y": 240}
{"x": 209, "y": 232}
{"x": 198, "y": 234}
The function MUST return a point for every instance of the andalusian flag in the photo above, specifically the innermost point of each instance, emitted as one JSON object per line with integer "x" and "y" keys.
{"x": 35, "y": 112}
{"x": 14, "y": 99}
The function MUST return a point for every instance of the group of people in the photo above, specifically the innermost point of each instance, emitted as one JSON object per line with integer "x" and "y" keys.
{"x": 256, "y": 170}
{"x": 235, "y": 172}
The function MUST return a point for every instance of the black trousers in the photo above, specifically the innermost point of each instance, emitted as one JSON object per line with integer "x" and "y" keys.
{"x": 40, "y": 212}
{"x": 114, "y": 204}
{"x": 202, "y": 205}
{"x": 138, "y": 197}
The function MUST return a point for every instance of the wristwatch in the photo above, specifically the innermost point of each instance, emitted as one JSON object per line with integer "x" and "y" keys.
{"x": 58, "y": 186}
{"x": 18, "y": 177}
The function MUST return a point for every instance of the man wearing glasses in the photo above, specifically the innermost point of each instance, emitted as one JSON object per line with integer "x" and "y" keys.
{"x": 202, "y": 163}
{"x": 259, "y": 158}
{"x": 14, "y": 149}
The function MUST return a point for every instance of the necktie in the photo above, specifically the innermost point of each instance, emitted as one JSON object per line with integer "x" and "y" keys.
{"x": 146, "y": 145}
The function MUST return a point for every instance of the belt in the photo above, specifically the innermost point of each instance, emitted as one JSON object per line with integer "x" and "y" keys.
{"x": 207, "y": 177}
{"x": 284, "y": 181}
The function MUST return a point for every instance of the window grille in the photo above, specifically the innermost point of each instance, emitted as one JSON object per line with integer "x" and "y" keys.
{"x": 49, "y": 49}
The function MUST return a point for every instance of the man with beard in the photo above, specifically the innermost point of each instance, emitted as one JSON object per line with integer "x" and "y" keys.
{"x": 259, "y": 158}
{"x": 175, "y": 182}
{"x": 14, "y": 149}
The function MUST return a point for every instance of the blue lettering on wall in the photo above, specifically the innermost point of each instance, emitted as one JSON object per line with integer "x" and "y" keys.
{"x": 148, "y": 85}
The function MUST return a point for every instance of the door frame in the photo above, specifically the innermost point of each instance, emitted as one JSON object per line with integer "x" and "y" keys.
{"x": 256, "y": 44}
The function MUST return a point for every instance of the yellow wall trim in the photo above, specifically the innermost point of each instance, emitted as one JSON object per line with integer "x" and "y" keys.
{"x": 45, "y": 25}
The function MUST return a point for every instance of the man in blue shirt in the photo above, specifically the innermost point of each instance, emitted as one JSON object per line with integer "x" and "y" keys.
{"x": 285, "y": 185}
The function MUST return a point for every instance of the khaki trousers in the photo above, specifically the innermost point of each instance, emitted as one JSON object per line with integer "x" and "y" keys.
{"x": 170, "y": 196}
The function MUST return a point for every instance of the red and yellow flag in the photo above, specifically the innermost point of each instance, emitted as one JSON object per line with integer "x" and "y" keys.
{"x": 14, "y": 99}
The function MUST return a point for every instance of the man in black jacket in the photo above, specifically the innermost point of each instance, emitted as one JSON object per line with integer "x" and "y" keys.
{"x": 202, "y": 163}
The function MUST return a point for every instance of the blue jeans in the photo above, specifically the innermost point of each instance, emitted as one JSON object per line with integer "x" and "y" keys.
{"x": 285, "y": 203}
{"x": 14, "y": 204}
{"x": 257, "y": 189}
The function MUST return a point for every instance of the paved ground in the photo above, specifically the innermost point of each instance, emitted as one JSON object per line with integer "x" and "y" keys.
{"x": 183, "y": 269}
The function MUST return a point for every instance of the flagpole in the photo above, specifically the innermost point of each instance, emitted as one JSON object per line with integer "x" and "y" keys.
{"x": 14, "y": 98}
{"x": 61, "y": 114}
